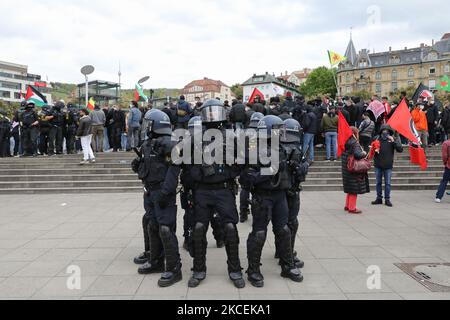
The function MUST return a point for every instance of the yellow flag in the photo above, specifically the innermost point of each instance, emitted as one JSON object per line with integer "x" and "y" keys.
{"x": 335, "y": 58}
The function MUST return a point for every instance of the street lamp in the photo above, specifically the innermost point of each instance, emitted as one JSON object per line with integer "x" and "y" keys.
{"x": 87, "y": 70}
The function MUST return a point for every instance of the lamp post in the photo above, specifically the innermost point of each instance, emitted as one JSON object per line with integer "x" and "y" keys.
{"x": 87, "y": 70}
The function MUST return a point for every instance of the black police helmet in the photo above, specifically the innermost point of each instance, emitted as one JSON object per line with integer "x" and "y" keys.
{"x": 213, "y": 111}
{"x": 158, "y": 122}
{"x": 255, "y": 119}
{"x": 270, "y": 123}
{"x": 195, "y": 124}
{"x": 293, "y": 131}
{"x": 59, "y": 105}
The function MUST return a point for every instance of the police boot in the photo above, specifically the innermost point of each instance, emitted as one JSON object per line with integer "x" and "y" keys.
{"x": 289, "y": 270}
{"x": 255, "y": 246}
{"x": 155, "y": 263}
{"x": 232, "y": 248}
{"x": 172, "y": 272}
{"x": 199, "y": 252}
{"x": 142, "y": 258}
{"x": 293, "y": 226}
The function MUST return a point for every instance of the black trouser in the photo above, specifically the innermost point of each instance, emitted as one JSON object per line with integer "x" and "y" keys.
{"x": 56, "y": 140}
{"x": 44, "y": 141}
{"x": 244, "y": 199}
{"x": 208, "y": 202}
{"x": 4, "y": 142}
{"x": 29, "y": 140}
{"x": 117, "y": 138}
{"x": 431, "y": 133}
{"x": 70, "y": 138}
{"x": 16, "y": 135}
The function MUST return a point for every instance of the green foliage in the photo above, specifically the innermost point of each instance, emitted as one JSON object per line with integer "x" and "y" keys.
{"x": 363, "y": 94}
{"x": 9, "y": 107}
{"x": 238, "y": 90}
{"x": 320, "y": 82}
{"x": 64, "y": 91}
{"x": 395, "y": 95}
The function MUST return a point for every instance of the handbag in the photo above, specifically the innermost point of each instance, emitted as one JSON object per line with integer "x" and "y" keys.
{"x": 358, "y": 166}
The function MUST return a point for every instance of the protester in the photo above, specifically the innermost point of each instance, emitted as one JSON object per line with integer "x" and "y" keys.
{"x": 432, "y": 113}
{"x": 445, "y": 120}
{"x": 85, "y": 134}
{"x": 354, "y": 184}
{"x": 421, "y": 123}
{"x": 98, "y": 125}
{"x": 184, "y": 112}
{"x": 134, "y": 120}
{"x": 446, "y": 177}
{"x": 384, "y": 163}
{"x": 310, "y": 128}
{"x": 329, "y": 127}
{"x": 366, "y": 130}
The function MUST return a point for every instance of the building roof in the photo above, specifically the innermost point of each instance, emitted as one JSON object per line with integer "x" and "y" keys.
{"x": 302, "y": 74}
{"x": 208, "y": 85}
{"x": 269, "y": 78}
{"x": 350, "y": 53}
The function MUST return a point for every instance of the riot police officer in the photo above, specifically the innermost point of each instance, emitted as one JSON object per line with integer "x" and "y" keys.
{"x": 214, "y": 192}
{"x": 291, "y": 143}
{"x": 44, "y": 130}
{"x": 71, "y": 122}
{"x": 160, "y": 178}
{"x": 56, "y": 138}
{"x": 5, "y": 129}
{"x": 29, "y": 124}
{"x": 245, "y": 185}
{"x": 270, "y": 204}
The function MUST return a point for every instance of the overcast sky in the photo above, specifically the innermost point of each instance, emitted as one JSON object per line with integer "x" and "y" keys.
{"x": 176, "y": 42}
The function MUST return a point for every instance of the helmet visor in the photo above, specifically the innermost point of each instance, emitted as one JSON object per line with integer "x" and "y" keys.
{"x": 214, "y": 114}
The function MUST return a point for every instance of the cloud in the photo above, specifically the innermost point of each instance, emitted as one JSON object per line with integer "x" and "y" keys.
{"x": 175, "y": 42}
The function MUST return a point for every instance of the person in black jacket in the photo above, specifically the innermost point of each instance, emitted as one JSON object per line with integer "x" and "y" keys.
{"x": 354, "y": 184}
{"x": 384, "y": 163}
{"x": 238, "y": 115}
{"x": 310, "y": 127}
{"x": 432, "y": 119}
{"x": 445, "y": 120}
{"x": 118, "y": 127}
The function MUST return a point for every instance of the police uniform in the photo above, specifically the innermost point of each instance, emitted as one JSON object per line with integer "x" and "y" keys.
{"x": 270, "y": 205}
{"x": 29, "y": 131}
{"x": 5, "y": 134}
{"x": 160, "y": 178}
{"x": 214, "y": 192}
{"x": 56, "y": 138}
{"x": 44, "y": 131}
{"x": 71, "y": 121}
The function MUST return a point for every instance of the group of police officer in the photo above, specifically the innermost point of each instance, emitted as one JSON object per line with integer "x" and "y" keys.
{"x": 42, "y": 132}
{"x": 209, "y": 192}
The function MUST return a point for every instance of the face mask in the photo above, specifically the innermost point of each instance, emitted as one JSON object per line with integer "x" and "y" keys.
{"x": 385, "y": 134}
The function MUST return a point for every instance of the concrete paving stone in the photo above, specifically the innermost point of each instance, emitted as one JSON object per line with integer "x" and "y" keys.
{"x": 171, "y": 298}
{"x": 343, "y": 266}
{"x": 354, "y": 241}
{"x": 58, "y": 287}
{"x": 331, "y": 251}
{"x": 41, "y": 269}
{"x": 149, "y": 287}
{"x": 403, "y": 283}
{"x": 112, "y": 243}
{"x": 407, "y": 251}
{"x": 387, "y": 265}
{"x": 357, "y": 284}
{"x": 121, "y": 268}
{"x": 108, "y": 298}
{"x": 426, "y": 296}
{"x": 390, "y": 240}
{"x": 368, "y": 252}
{"x": 61, "y": 255}
{"x": 374, "y": 296}
{"x": 8, "y": 268}
{"x": 272, "y": 283}
{"x": 65, "y": 230}
{"x": 314, "y": 284}
{"x": 23, "y": 254}
{"x": 42, "y": 244}
{"x": 214, "y": 285}
{"x": 99, "y": 254}
{"x": 312, "y": 266}
{"x": 21, "y": 287}
{"x": 115, "y": 286}
{"x": 262, "y": 298}
{"x": 88, "y": 267}
{"x": 422, "y": 260}
{"x": 15, "y": 235}
{"x": 76, "y": 243}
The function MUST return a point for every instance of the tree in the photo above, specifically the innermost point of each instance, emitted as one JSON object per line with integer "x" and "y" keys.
{"x": 363, "y": 94}
{"x": 320, "y": 82}
{"x": 238, "y": 90}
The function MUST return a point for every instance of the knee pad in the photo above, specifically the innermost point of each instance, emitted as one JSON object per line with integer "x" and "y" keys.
{"x": 231, "y": 233}
{"x": 165, "y": 232}
{"x": 199, "y": 231}
{"x": 153, "y": 227}
{"x": 260, "y": 237}
{"x": 283, "y": 232}
{"x": 293, "y": 224}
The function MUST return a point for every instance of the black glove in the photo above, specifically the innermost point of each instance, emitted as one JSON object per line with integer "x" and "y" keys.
{"x": 135, "y": 164}
{"x": 163, "y": 200}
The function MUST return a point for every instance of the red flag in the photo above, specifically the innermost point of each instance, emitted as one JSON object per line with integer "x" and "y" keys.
{"x": 418, "y": 157}
{"x": 255, "y": 93}
{"x": 402, "y": 122}
{"x": 344, "y": 133}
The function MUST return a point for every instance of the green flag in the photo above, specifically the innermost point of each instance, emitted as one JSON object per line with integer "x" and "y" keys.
{"x": 444, "y": 84}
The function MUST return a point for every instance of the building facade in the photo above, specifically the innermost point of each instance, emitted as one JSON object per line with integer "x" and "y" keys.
{"x": 207, "y": 89}
{"x": 386, "y": 73}
{"x": 14, "y": 82}
{"x": 269, "y": 85}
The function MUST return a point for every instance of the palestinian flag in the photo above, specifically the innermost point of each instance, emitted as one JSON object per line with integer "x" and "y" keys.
{"x": 33, "y": 95}
{"x": 335, "y": 58}
{"x": 444, "y": 84}
{"x": 91, "y": 104}
{"x": 139, "y": 94}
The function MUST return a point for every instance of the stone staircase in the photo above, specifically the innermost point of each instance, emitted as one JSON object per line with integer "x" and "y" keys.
{"x": 112, "y": 174}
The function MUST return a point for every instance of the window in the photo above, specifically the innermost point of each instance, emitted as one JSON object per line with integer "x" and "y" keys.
{"x": 394, "y": 60}
{"x": 432, "y": 84}
{"x": 394, "y": 86}
{"x": 17, "y": 95}
{"x": 258, "y": 79}
{"x": 10, "y": 85}
{"x": 349, "y": 89}
{"x": 378, "y": 75}
{"x": 363, "y": 63}
{"x": 347, "y": 77}
{"x": 394, "y": 74}
{"x": 432, "y": 70}
{"x": 5, "y": 94}
{"x": 432, "y": 56}
{"x": 447, "y": 68}
{"x": 378, "y": 88}
{"x": 411, "y": 72}
{"x": 340, "y": 79}
{"x": 410, "y": 83}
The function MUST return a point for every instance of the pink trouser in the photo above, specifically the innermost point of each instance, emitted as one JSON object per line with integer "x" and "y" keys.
{"x": 351, "y": 202}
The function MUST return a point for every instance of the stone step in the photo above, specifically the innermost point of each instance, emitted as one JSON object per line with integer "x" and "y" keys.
{"x": 75, "y": 171}
{"x": 397, "y": 187}
{"x": 318, "y": 167}
{"x": 69, "y": 177}
{"x": 70, "y": 190}
{"x": 395, "y": 180}
{"x": 414, "y": 174}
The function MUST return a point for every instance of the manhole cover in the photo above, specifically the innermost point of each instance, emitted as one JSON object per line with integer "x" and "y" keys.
{"x": 434, "y": 276}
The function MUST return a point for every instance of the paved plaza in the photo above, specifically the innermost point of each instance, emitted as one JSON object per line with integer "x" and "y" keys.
{"x": 42, "y": 235}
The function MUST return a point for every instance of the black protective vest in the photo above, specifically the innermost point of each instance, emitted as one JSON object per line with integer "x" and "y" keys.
{"x": 156, "y": 161}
